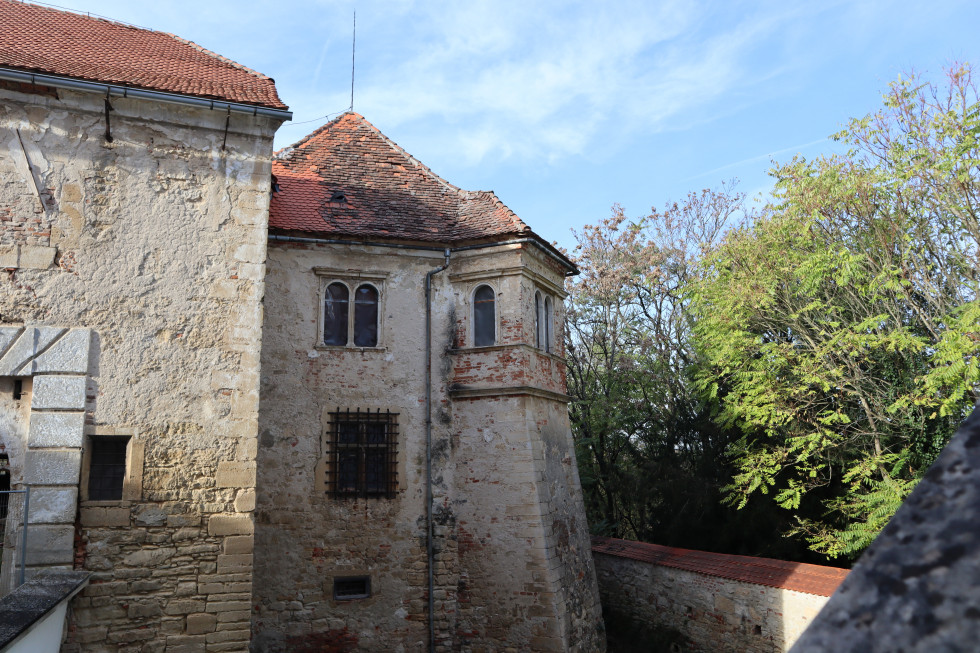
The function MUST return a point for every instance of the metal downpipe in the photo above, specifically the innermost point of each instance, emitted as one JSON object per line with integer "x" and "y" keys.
{"x": 430, "y": 558}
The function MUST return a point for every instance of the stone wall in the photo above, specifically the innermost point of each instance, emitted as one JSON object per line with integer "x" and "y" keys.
{"x": 154, "y": 245}
{"x": 711, "y": 612}
{"x": 512, "y": 568}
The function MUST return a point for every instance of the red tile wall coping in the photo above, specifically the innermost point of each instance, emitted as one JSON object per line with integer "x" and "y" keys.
{"x": 44, "y": 40}
{"x": 347, "y": 179}
{"x": 796, "y": 576}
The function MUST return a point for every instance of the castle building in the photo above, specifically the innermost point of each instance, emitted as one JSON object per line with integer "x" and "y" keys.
{"x": 302, "y": 403}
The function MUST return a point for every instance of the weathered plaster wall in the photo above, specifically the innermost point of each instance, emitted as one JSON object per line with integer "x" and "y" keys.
{"x": 155, "y": 242}
{"x": 711, "y": 613}
{"x": 511, "y": 547}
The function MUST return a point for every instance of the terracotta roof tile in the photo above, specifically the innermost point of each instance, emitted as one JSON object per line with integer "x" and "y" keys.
{"x": 387, "y": 193}
{"x": 796, "y": 576}
{"x": 44, "y": 40}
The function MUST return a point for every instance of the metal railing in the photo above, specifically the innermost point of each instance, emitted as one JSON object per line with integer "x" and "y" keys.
{"x": 13, "y": 528}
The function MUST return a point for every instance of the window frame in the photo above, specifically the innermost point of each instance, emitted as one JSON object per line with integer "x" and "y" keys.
{"x": 496, "y": 314}
{"x": 132, "y": 488}
{"x": 361, "y": 448}
{"x": 352, "y": 281}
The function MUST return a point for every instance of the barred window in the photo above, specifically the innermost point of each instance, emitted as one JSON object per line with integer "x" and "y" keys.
{"x": 362, "y": 459}
{"x": 107, "y": 468}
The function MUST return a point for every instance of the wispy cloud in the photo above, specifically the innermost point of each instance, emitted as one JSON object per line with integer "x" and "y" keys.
{"x": 542, "y": 81}
{"x": 756, "y": 159}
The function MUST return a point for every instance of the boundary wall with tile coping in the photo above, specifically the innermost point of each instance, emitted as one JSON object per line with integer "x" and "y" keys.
{"x": 716, "y": 602}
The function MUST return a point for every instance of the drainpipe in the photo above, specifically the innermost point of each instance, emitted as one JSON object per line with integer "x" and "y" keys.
{"x": 428, "y": 446}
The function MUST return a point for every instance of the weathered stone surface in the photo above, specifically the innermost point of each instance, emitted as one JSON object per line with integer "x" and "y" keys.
{"x": 98, "y": 516}
{"x": 52, "y": 467}
{"x": 917, "y": 586}
{"x": 230, "y": 525}
{"x": 9, "y": 256}
{"x": 60, "y": 429}
{"x": 50, "y": 545}
{"x": 201, "y": 623}
{"x": 26, "y": 347}
{"x": 245, "y": 501}
{"x": 235, "y": 474}
{"x": 58, "y": 392}
{"x": 33, "y": 256}
{"x": 69, "y": 355}
{"x": 53, "y": 505}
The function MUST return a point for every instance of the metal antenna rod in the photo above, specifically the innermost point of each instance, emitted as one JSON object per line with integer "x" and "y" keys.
{"x": 353, "y": 44}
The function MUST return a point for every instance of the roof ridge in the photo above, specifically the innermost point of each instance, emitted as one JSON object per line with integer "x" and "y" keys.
{"x": 83, "y": 14}
{"x": 402, "y": 151}
{"x": 490, "y": 195}
{"x": 220, "y": 57}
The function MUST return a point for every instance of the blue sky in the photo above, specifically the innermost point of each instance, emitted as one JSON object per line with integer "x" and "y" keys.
{"x": 564, "y": 108}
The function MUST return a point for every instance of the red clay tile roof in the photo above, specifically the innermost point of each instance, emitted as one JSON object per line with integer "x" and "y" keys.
{"x": 387, "y": 193}
{"x": 42, "y": 40}
{"x": 796, "y": 576}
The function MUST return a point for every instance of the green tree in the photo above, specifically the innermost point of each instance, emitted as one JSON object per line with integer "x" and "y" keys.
{"x": 839, "y": 330}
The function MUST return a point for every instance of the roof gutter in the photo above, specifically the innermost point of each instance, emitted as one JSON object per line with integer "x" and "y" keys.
{"x": 570, "y": 268}
{"x": 115, "y": 90}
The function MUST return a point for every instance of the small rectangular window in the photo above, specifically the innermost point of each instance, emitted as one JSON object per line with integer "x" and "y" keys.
{"x": 362, "y": 454}
{"x": 351, "y": 587}
{"x": 107, "y": 468}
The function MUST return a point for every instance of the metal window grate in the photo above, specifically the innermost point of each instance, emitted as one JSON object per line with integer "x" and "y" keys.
{"x": 107, "y": 468}
{"x": 352, "y": 587}
{"x": 362, "y": 454}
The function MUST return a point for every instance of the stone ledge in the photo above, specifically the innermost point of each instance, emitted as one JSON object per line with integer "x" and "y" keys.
{"x": 30, "y": 602}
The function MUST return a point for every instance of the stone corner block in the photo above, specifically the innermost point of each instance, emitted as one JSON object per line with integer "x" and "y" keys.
{"x": 29, "y": 341}
{"x": 52, "y": 467}
{"x": 56, "y": 429}
{"x": 53, "y": 505}
{"x": 68, "y": 355}
{"x": 37, "y": 257}
{"x": 230, "y": 525}
{"x": 9, "y": 256}
{"x": 50, "y": 545}
{"x": 58, "y": 392}
{"x": 235, "y": 474}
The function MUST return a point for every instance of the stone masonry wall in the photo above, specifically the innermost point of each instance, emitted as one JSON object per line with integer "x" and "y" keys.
{"x": 711, "y": 613}
{"x": 155, "y": 243}
{"x": 511, "y": 546}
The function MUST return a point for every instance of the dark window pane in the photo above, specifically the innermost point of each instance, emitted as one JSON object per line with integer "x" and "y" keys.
{"x": 374, "y": 470}
{"x": 484, "y": 322}
{"x": 335, "y": 310}
{"x": 366, "y": 316}
{"x": 107, "y": 469}
{"x": 538, "y": 309}
{"x": 374, "y": 432}
{"x": 547, "y": 324}
{"x": 347, "y": 471}
{"x": 347, "y": 432}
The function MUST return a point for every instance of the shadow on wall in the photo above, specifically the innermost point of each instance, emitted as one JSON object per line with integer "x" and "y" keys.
{"x": 685, "y": 600}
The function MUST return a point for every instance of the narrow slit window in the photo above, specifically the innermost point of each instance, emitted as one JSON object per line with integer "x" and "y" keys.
{"x": 366, "y": 316}
{"x": 484, "y": 317}
{"x": 547, "y": 325}
{"x": 335, "y": 313}
{"x": 538, "y": 320}
{"x": 107, "y": 468}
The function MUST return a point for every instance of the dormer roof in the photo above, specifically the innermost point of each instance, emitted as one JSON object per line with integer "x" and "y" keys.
{"x": 387, "y": 193}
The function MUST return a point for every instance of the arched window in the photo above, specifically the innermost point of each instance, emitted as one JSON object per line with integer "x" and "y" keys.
{"x": 484, "y": 317}
{"x": 538, "y": 320}
{"x": 366, "y": 316}
{"x": 548, "y": 321}
{"x": 335, "y": 314}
